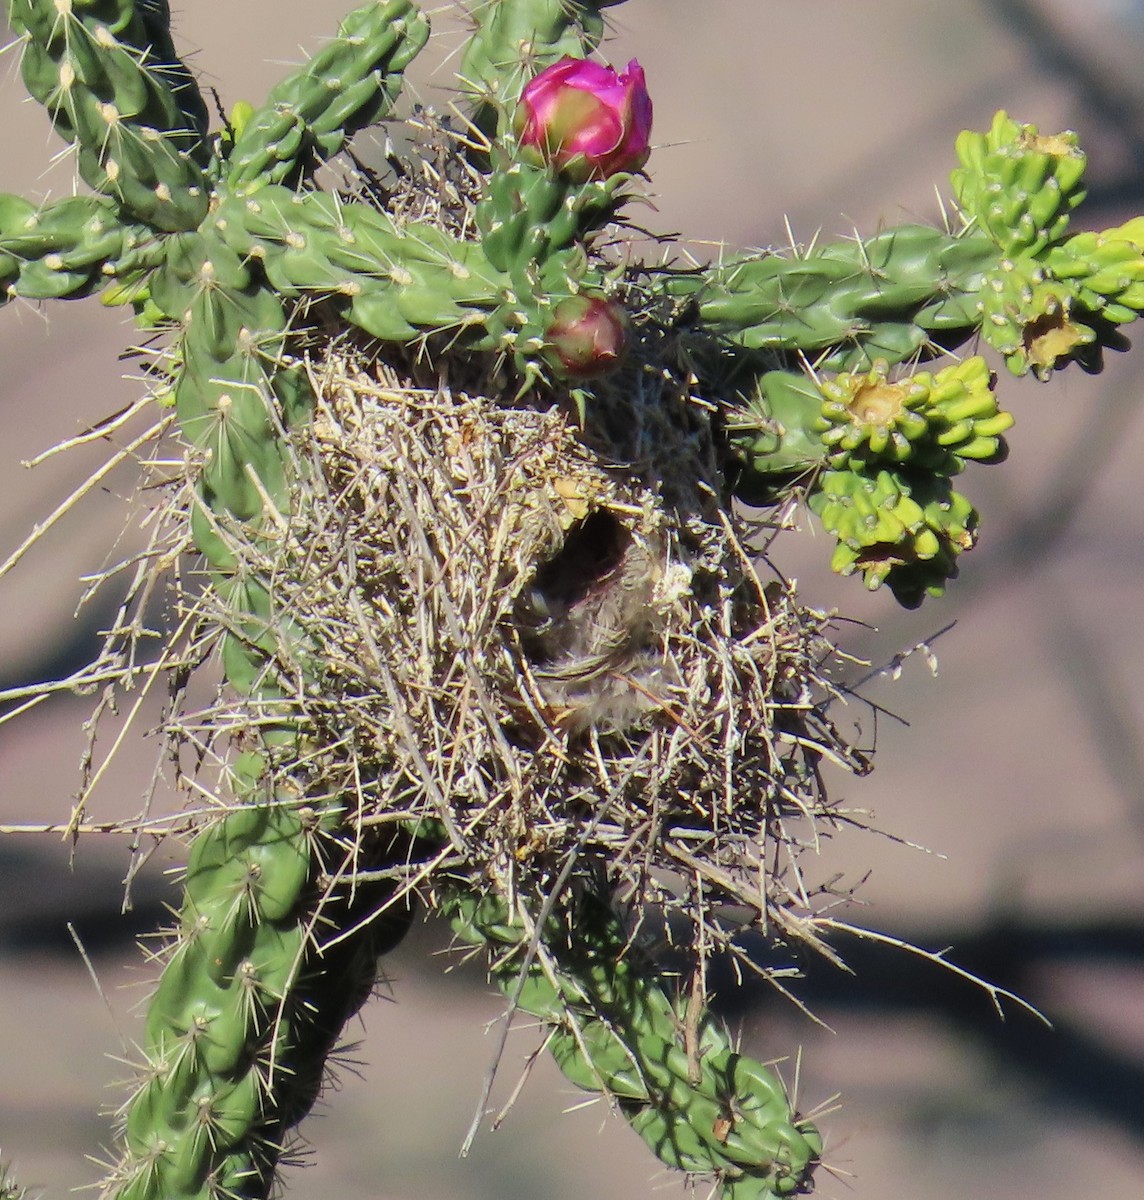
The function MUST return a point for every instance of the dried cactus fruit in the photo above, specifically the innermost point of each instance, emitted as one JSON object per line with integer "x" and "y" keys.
{"x": 904, "y": 531}
{"x": 936, "y": 422}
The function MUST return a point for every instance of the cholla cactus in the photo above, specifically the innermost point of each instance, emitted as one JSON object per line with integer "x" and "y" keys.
{"x": 460, "y": 480}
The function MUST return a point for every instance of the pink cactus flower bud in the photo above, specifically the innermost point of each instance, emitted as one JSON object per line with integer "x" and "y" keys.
{"x": 588, "y": 336}
{"x": 585, "y": 119}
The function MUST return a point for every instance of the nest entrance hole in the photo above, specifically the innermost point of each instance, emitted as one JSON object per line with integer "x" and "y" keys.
{"x": 591, "y": 555}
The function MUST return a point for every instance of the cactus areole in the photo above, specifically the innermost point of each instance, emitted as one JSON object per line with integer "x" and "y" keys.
{"x": 455, "y": 521}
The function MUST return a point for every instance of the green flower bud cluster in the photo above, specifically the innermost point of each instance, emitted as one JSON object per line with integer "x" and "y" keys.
{"x": 140, "y": 128}
{"x": 875, "y": 455}
{"x": 706, "y": 1110}
{"x": 1017, "y": 185}
{"x": 1044, "y": 313}
{"x": 902, "y": 531}
{"x": 934, "y": 422}
{"x": 1027, "y": 316}
{"x": 1068, "y": 304}
{"x": 1105, "y": 271}
{"x": 890, "y": 447}
{"x": 1047, "y": 301}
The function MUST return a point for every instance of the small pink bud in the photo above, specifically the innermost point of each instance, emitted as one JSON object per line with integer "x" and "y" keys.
{"x": 586, "y": 120}
{"x": 588, "y": 336}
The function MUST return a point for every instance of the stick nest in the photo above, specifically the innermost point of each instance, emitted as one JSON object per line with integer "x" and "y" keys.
{"x": 546, "y": 644}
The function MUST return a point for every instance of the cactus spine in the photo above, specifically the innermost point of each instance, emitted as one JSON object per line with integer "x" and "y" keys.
{"x": 9, "y": 1189}
{"x": 223, "y": 241}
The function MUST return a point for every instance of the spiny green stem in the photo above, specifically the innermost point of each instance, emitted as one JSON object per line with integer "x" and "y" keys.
{"x": 698, "y": 1103}
{"x": 351, "y": 82}
{"x": 138, "y": 121}
{"x": 514, "y": 39}
{"x": 906, "y": 291}
{"x": 68, "y": 248}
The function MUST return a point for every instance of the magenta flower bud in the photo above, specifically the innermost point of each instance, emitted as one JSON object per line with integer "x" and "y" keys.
{"x": 588, "y": 336}
{"x": 585, "y": 120}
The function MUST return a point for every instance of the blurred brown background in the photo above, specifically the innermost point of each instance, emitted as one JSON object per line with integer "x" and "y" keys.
{"x": 1022, "y": 768}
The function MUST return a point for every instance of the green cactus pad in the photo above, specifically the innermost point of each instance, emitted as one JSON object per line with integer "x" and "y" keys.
{"x": 906, "y": 291}
{"x": 530, "y": 214}
{"x": 158, "y": 49}
{"x": 139, "y": 128}
{"x": 392, "y": 280}
{"x": 69, "y": 247}
{"x": 200, "y": 1119}
{"x": 514, "y": 39}
{"x": 771, "y": 433}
